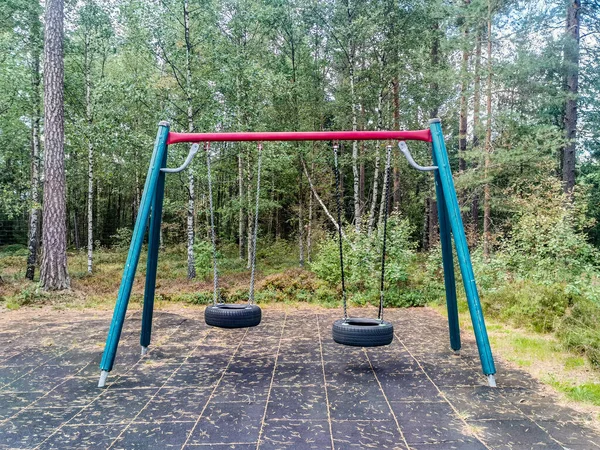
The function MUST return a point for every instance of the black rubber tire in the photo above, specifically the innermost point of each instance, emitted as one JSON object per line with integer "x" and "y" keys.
{"x": 361, "y": 332}
{"x": 224, "y": 315}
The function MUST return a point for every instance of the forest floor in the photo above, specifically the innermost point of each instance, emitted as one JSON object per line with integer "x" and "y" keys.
{"x": 541, "y": 355}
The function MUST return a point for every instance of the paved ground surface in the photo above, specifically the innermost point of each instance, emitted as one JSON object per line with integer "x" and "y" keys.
{"x": 284, "y": 384}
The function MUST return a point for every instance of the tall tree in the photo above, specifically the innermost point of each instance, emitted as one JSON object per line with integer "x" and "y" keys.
{"x": 571, "y": 56}
{"x": 464, "y": 86}
{"x": 191, "y": 264}
{"x": 54, "y": 275}
{"x": 476, "y": 126}
{"x": 35, "y": 45}
{"x": 487, "y": 198}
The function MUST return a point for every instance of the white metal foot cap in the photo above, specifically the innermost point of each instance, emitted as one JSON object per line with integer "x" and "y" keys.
{"x": 103, "y": 377}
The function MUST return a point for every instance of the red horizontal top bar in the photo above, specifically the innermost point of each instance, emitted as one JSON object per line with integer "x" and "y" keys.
{"x": 419, "y": 135}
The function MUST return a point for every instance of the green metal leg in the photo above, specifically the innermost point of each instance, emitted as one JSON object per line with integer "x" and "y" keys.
{"x": 116, "y": 326}
{"x": 462, "y": 250}
{"x": 448, "y": 263}
{"x": 152, "y": 263}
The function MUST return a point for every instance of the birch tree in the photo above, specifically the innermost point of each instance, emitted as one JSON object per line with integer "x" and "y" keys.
{"x": 35, "y": 45}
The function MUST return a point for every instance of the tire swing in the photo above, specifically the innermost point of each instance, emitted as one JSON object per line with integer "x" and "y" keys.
{"x": 224, "y": 315}
{"x": 360, "y": 331}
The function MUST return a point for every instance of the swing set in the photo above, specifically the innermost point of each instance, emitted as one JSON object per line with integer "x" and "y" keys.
{"x": 353, "y": 331}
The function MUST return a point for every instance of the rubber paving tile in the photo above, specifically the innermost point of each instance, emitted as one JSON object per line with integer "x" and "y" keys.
{"x": 281, "y": 385}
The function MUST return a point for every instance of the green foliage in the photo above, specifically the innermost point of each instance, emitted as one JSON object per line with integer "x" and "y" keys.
{"x": 547, "y": 241}
{"x": 579, "y": 330}
{"x": 13, "y": 249}
{"x": 529, "y": 304}
{"x": 362, "y": 265}
{"x": 204, "y": 258}
{"x": 122, "y": 238}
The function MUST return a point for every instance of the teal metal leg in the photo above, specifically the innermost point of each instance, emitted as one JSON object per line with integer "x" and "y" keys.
{"x": 152, "y": 263}
{"x": 116, "y": 326}
{"x": 448, "y": 262}
{"x": 462, "y": 250}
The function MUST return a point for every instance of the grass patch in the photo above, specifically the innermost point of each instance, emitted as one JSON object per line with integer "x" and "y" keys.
{"x": 585, "y": 392}
{"x": 574, "y": 362}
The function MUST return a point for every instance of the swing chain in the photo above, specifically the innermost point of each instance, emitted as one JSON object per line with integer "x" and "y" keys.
{"x": 213, "y": 237}
{"x": 388, "y": 165}
{"x": 339, "y": 227}
{"x": 255, "y": 231}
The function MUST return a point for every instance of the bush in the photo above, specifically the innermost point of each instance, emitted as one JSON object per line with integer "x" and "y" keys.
{"x": 204, "y": 258}
{"x": 547, "y": 240}
{"x": 14, "y": 249}
{"x": 579, "y": 330}
{"x": 294, "y": 285}
{"x": 122, "y": 238}
{"x": 362, "y": 266}
{"x": 529, "y": 304}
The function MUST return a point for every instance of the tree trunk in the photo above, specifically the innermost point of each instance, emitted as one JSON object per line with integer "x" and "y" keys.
{"x": 361, "y": 166}
{"x": 250, "y": 214}
{"x": 54, "y": 275}
{"x": 242, "y": 222}
{"x": 371, "y": 223}
{"x": 310, "y": 220}
{"x": 425, "y": 231}
{"x": 476, "y": 129}
{"x": 89, "y": 119}
{"x": 272, "y": 209}
{"x": 396, "y": 189}
{"x": 76, "y": 230}
{"x": 488, "y": 144}
{"x": 431, "y": 215}
{"x": 434, "y": 232}
{"x": 571, "y": 56}
{"x": 191, "y": 263}
{"x": 462, "y": 125}
{"x": 355, "y": 172}
{"x": 312, "y": 188}
{"x": 386, "y": 180}
{"x": 34, "y": 213}
{"x": 300, "y": 220}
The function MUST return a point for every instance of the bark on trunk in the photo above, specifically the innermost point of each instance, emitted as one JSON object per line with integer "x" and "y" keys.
{"x": 571, "y": 55}
{"x": 191, "y": 263}
{"x": 89, "y": 119}
{"x": 34, "y": 213}
{"x": 488, "y": 144}
{"x": 375, "y": 190}
{"x": 355, "y": 172}
{"x": 425, "y": 231}
{"x": 310, "y": 220}
{"x": 476, "y": 130}
{"x": 462, "y": 126}
{"x": 76, "y": 230}
{"x": 300, "y": 221}
{"x": 325, "y": 210}
{"x": 241, "y": 219}
{"x": 396, "y": 189}
{"x": 431, "y": 213}
{"x": 434, "y": 232}
{"x": 386, "y": 180}
{"x": 54, "y": 275}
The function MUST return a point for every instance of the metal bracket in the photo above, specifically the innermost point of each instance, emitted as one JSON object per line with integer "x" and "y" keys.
{"x": 188, "y": 160}
{"x": 406, "y": 152}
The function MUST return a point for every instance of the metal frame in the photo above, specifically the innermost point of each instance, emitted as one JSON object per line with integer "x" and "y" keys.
{"x": 150, "y": 211}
